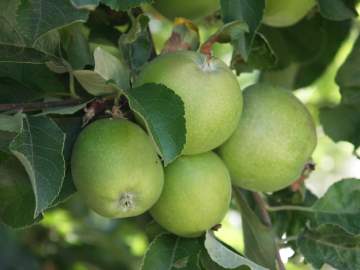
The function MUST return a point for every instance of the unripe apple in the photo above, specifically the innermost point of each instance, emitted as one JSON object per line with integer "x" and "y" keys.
{"x": 186, "y": 8}
{"x": 209, "y": 90}
{"x": 274, "y": 140}
{"x": 282, "y": 13}
{"x": 196, "y": 195}
{"x": 116, "y": 169}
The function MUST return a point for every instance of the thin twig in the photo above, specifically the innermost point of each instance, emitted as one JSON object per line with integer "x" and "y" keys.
{"x": 289, "y": 208}
{"x": 287, "y": 239}
{"x": 265, "y": 217}
{"x": 36, "y": 106}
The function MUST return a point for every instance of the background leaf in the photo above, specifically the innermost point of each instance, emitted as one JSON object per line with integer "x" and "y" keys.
{"x": 342, "y": 123}
{"x": 16, "y": 194}
{"x": 348, "y": 79}
{"x": 338, "y": 9}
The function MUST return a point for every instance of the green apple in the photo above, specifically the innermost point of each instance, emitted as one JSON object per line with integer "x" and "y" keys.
{"x": 187, "y": 9}
{"x": 209, "y": 90}
{"x": 282, "y": 13}
{"x": 196, "y": 195}
{"x": 274, "y": 140}
{"x": 116, "y": 169}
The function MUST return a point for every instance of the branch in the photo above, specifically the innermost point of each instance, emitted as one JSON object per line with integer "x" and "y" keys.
{"x": 265, "y": 217}
{"x": 36, "y": 106}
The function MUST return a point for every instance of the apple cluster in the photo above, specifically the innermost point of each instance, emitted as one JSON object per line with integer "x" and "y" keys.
{"x": 258, "y": 139}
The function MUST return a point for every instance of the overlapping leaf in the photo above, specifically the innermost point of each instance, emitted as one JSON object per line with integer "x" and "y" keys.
{"x": 330, "y": 245}
{"x": 225, "y": 257}
{"x": 169, "y": 252}
{"x": 163, "y": 112}
{"x": 259, "y": 240}
{"x": 338, "y": 9}
{"x": 39, "y": 147}
{"x": 340, "y": 206}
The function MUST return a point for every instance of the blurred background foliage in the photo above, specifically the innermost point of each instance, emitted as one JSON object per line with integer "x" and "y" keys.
{"x": 75, "y": 238}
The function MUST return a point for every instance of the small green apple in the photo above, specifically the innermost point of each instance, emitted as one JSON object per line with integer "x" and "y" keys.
{"x": 209, "y": 90}
{"x": 282, "y": 13}
{"x": 274, "y": 140}
{"x": 196, "y": 195}
{"x": 187, "y": 9}
{"x": 116, "y": 169}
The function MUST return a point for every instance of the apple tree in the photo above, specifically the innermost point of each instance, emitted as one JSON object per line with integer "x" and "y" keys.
{"x": 128, "y": 133}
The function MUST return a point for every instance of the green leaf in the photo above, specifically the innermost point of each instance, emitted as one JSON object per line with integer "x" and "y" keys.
{"x": 67, "y": 189}
{"x": 71, "y": 126}
{"x": 340, "y": 206}
{"x": 231, "y": 31}
{"x": 348, "y": 78}
{"x": 39, "y": 147}
{"x": 18, "y": 54}
{"x": 75, "y": 43}
{"x": 16, "y": 195}
{"x": 338, "y": 10}
{"x": 342, "y": 123}
{"x": 10, "y": 125}
{"x": 208, "y": 264}
{"x": 24, "y": 25}
{"x": 124, "y": 4}
{"x": 259, "y": 240}
{"x": 225, "y": 257}
{"x": 31, "y": 77}
{"x": 93, "y": 83}
{"x": 169, "y": 252}
{"x": 163, "y": 112}
{"x": 37, "y": 17}
{"x": 330, "y": 245}
{"x": 136, "y": 44}
{"x": 107, "y": 68}
{"x": 15, "y": 92}
{"x": 335, "y": 33}
{"x": 290, "y": 223}
{"x": 111, "y": 68}
{"x": 261, "y": 56}
{"x": 248, "y": 11}
{"x": 86, "y": 4}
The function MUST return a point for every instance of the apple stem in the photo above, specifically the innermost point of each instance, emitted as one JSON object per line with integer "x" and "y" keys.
{"x": 206, "y": 48}
{"x": 308, "y": 169}
{"x": 265, "y": 217}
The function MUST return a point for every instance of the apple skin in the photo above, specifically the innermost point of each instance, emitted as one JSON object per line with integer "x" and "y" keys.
{"x": 196, "y": 195}
{"x": 274, "y": 140}
{"x": 210, "y": 91}
{"x": 283, "y": 13}
{"x": 116, "y": 169}
{"x": 187, "y": 9}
